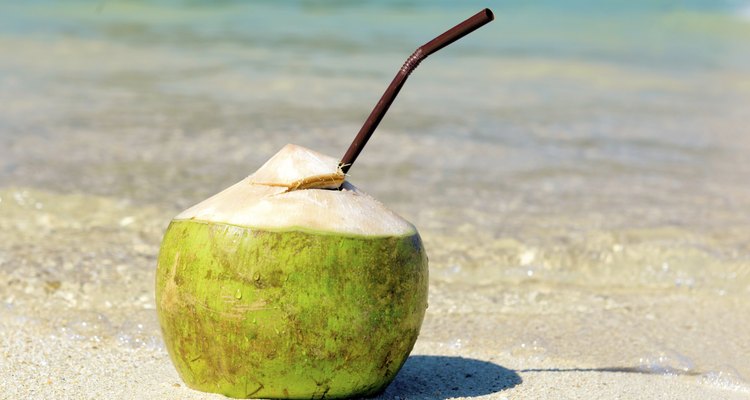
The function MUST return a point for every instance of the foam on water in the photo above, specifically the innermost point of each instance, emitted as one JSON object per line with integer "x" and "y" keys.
{"x": 727, "y": 377}
{"x": 667, "y": 363}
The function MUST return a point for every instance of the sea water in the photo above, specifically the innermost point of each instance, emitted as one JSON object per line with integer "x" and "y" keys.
{"x": 579, "y": 171}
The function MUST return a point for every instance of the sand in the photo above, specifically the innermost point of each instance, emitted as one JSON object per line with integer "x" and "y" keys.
{"x": 79, "y": 323}
{"x": 39, "y": 365}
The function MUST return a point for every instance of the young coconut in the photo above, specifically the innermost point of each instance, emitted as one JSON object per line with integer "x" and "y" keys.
{"x": 293, "y": 283}
{"x": 280, "y": 287}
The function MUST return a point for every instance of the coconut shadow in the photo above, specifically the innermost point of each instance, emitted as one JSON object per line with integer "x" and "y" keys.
{"x": 444, "y": 377}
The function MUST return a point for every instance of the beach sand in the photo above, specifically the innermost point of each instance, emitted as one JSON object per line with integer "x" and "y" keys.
{"x": 64, "y": 335}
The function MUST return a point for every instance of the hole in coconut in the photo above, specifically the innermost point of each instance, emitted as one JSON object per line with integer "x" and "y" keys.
{"x": 325, "y": 181}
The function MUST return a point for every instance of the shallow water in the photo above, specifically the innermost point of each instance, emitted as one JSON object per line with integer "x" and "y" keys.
{"x": 580, "y": 175}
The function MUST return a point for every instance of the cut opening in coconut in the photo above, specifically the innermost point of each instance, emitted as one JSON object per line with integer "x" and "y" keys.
{"x": 295, "y": 167}
{"x": 287, "y": 192}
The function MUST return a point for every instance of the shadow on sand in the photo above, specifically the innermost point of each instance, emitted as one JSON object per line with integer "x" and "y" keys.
{"x": 442, "y": 377}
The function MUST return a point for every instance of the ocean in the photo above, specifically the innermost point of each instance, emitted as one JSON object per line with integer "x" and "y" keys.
{"x": 579, "y": 171}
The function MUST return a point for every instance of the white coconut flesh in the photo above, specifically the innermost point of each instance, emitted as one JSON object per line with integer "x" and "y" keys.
{"x": 296, "y": 189}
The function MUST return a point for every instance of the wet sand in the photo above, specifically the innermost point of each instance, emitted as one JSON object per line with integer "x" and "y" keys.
{"x": 66, "y": 335}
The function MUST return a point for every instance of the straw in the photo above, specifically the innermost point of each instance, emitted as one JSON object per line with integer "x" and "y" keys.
{"x": 457, "y": 32}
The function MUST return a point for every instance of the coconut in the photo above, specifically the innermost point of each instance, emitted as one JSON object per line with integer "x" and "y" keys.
{"x": 291, "y": 283}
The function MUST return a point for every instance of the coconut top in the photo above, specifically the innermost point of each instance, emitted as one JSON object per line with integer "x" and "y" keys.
{"x": 296, "y": 189}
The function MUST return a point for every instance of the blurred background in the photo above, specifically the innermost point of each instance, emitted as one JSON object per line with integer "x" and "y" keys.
{"x": 579, "y": 170}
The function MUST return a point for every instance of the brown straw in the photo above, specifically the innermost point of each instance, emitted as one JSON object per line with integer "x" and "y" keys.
{"x": 450, "y": 36}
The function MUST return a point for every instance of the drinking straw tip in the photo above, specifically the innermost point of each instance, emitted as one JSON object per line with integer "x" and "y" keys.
{"x": 489, "y": 14}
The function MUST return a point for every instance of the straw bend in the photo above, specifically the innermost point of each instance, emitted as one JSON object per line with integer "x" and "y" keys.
{"x": 413, "y": 61}
{"x": 457, "y": 32}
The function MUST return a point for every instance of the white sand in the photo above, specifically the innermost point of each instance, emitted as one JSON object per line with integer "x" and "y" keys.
{"x": 43, "y": 367}
{"x": 77, "y": 321}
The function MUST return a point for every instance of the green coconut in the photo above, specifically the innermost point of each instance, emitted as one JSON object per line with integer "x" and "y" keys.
{"x": 282, "y": 286}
